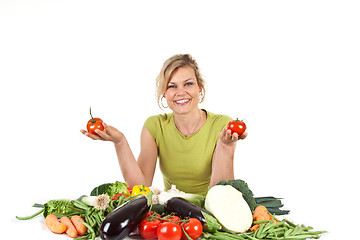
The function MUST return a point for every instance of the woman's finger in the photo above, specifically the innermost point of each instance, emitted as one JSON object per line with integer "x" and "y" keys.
{"x": 243, "y": 136}
{"x": 235, "y": 137}
{"x": 103, "y": 135}
{"x": 228, "y": 134}
{"x": 92, "y": 136}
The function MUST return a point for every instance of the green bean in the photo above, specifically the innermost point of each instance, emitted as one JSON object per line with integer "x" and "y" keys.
{"x": 307, "y": 228}
{"x": 290, "y": 223}
{"x": 301, "y": 237}
{"x": 80, "y": 204}
{"x": 90, "y": 211}
{"x": 259, "y": 231}
{"x": 97, "y": 217}
{"x": 260, "y": 222}
{"x": 230, "y": 237}
{"x": 90, "y": 229}
{"x": 32, "y": 216}
{"x": 269, "y": 227}
{"x": 288, "y": 232}
{"x": 295, "y": 231}
{"x": 218, "y": 237}
{"x": 280, "y": 229}
{"x": 313, "y": 233}
{"x": 234, "y": 236}
{"x": 90, "y": 220}
{"x": 252, "y": 238}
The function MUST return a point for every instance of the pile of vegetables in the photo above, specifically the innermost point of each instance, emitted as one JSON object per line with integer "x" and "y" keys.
{"x": 228, "y": 211}
{"x": 89, "y": 210}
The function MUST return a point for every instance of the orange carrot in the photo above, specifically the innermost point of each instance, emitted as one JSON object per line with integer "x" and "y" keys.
{"x": 54, "y": 225}
{"x": 260, "y": 214}
{"x": 263, "y": 216}
{"x": 80, "y": 228}
{"x": 71, "y": 230}
{"x": 254, "y": 227}
{"x": 259, "y": 210}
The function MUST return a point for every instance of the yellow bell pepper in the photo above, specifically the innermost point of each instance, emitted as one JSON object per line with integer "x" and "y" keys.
{"x": 140, "y": 189}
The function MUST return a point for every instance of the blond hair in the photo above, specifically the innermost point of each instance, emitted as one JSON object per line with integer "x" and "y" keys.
{"x": 169, "y": 66}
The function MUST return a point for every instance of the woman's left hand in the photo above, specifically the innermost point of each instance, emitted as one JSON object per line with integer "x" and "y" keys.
{"x": 227, "y": 138}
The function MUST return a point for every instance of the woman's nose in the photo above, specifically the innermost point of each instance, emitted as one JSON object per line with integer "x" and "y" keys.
{"x": 180, "y": 90}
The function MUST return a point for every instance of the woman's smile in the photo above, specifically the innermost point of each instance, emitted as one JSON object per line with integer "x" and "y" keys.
{"x": 182, "y": 101}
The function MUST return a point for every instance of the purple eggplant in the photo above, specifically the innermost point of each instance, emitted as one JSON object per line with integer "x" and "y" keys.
{"x": 184, "y": 208}
{"x": 118, "y": 224}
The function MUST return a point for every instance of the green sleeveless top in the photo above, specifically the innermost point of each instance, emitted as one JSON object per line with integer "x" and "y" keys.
{"x": 186, "y": 161}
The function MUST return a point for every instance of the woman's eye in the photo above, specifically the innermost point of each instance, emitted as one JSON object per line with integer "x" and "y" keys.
{"x": 189, "y": 84}
{"x": 171, "y": 86}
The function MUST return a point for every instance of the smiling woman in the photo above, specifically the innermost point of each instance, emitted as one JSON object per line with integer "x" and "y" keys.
{"x": 182, "y": 96}
{"x": 171, "y": 66}
{"x": 194, "y": 147}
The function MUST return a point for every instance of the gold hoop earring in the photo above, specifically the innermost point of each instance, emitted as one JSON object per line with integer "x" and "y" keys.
{"x": 201, "y": 97}
{"x": 161, "y": 102}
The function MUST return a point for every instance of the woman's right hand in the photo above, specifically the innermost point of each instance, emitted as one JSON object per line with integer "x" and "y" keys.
{"x": 109, "y": 134}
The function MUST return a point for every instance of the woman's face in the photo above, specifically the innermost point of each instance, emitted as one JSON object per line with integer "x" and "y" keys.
{"x": 182, "y": 93}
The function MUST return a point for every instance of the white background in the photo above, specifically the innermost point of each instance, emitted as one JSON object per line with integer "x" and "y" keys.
{"x": 290, "y": 68}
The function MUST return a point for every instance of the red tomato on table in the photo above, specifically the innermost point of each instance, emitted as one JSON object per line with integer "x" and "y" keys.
{"x": 148, "y": 228}
{"x": 152, "y": 213}
{"x": 172, "y": 218}
{"x": 237, "y": 126}
{"x": 193, "y": 228}
{"x": 169, "y": 231}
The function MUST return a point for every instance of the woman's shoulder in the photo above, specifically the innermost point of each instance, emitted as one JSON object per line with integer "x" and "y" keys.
{"x": 154, "y": 124}
{"x": 217, "y": 121}
{"x": 218, "y": 117}
{"x": 158, "y": 120}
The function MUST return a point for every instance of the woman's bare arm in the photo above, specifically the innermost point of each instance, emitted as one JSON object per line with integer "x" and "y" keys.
{"x": 134, "y": 171}
{"x": 223, "y": 157}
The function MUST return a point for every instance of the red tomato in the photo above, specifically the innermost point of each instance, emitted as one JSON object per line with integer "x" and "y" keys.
{"x": 93, "y": 124}
{"x": 169, "y": 231}
{"x": 152, "y": 213}
{"x": 172, "y": 218}
{"x": 148, "y": 228}
{"x": 237, "y": 126}
{"x": 193, "y": 228}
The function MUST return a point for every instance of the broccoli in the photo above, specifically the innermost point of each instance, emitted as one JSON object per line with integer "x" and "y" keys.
{"x": 241, "y": 186}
